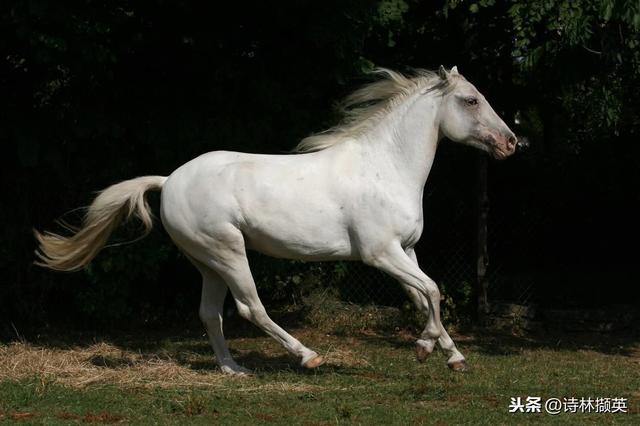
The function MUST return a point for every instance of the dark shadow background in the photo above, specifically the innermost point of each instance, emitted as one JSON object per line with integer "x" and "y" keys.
{"x": 92, "y": 93}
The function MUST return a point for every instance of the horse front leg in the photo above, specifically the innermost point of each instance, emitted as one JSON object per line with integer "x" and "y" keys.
{"x": 455, "y": 359}
{"x": 394, "y": 261}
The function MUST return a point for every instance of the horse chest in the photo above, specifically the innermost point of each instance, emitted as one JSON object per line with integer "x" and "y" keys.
{"x": 390, "y": 215}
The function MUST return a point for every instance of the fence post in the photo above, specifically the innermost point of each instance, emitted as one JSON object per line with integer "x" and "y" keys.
{"x": 482, "y": 254}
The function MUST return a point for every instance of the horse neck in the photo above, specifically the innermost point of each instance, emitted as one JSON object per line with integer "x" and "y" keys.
{"x": 406, "y": 139}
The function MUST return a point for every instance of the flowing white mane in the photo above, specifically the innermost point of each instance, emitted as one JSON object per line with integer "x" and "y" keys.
{"x": 364, "y": 107}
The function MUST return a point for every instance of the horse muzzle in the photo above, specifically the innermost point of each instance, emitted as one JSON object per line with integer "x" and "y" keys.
{"x": 501, "y": 146}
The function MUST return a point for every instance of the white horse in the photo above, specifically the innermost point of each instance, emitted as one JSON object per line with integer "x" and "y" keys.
{"x": 353, "y": 192}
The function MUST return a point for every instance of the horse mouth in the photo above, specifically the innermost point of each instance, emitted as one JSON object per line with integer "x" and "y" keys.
{"x": 498, "y": 148}
{"x": 498, "y": 154}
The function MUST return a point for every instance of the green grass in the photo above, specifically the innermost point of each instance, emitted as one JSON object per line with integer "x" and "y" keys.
{"x": 370, "y": 378}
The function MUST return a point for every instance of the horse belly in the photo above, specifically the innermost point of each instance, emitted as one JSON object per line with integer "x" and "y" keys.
{"x": 297, "y": 237}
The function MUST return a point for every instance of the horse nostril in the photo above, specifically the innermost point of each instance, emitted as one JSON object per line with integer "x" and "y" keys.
{"x": 512, "y": 141}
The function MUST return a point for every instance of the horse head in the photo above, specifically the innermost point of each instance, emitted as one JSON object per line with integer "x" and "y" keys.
{"x": 467, "y": 117}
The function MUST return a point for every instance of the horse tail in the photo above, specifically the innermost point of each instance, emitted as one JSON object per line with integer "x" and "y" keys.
{"x": 113, "y": 205}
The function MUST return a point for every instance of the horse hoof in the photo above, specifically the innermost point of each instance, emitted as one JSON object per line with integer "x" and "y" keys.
{"x": 236, "y": 370}
{"x": 422, "y": 353}
{"x": 458, "y": 366}
{"x": 314, "y": 362}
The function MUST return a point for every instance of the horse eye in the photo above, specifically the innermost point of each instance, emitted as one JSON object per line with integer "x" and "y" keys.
{"x": 471, "y": 101}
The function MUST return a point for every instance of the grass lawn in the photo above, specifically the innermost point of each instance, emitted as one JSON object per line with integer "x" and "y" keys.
{"x": 371, "y": 377}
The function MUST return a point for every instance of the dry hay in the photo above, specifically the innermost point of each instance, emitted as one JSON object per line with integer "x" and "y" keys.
{"x": 102, "y": 363}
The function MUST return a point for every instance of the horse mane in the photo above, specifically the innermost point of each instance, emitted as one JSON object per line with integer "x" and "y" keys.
{"x": 364, "y": 107}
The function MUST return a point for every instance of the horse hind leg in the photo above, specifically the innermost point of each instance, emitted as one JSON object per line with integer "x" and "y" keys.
{"x": 227, "y": 257}
{"x": 214, "y": 291}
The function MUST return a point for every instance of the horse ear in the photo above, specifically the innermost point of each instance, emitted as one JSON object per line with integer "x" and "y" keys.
{"x": 454, "y": 70}
{"x": 443, "y": 73}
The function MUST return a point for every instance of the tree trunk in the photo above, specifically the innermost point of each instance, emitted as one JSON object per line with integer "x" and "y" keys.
{"x": 482, "y": 254}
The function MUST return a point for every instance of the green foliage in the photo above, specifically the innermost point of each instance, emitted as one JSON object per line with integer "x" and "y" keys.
{"x": 601, "y": 38}
{"x": 584, "y": 53}
{"x": 390, "y": 14}
{"x": 457, "y": 305}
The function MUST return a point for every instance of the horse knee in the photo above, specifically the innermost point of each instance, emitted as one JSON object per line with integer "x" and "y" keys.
{"x": 255, "y": 314}
{"x": 432, "y": 331}
{"x": 258, "y": 314}
{"x": 244, "y": 311}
